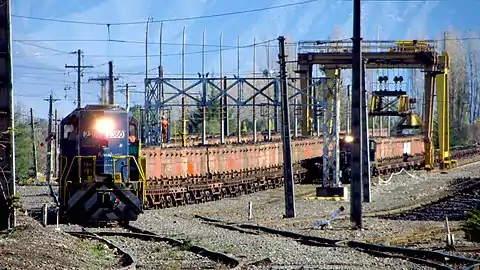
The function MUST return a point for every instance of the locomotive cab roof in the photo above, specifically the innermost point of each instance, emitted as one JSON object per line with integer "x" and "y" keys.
{"x": 94, "y": 107}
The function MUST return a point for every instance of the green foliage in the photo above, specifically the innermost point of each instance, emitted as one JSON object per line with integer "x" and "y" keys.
{"x": 137, "y": 112}
{"x": 24, "y": 164}
{"x": 472, "y": 225}
{"x": 212, "y": 114}
{"x": 23, "y": 150}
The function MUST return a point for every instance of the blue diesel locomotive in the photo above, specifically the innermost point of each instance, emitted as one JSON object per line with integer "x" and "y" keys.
{"x": 102, "y": 174}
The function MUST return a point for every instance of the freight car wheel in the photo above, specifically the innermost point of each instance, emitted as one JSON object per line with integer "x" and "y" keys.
{"x": 162, "y": 203}
{"x": 189, "y": 198}
{"x": 169, "y": 201}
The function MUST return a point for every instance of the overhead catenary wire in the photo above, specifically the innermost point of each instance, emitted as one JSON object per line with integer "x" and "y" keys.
{"x": 225, "y": 14}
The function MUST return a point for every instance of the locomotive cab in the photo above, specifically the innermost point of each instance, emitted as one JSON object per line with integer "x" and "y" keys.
{"x": 101, "y": 178}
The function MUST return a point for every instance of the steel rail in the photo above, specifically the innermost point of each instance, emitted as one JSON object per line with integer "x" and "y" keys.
{"x": 433, "y": 259}
{"x": 128, "y": 261}
{"x": 135, "y": 232}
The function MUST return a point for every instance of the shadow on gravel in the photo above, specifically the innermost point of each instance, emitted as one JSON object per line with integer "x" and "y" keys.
{"x": 454, "y": 208}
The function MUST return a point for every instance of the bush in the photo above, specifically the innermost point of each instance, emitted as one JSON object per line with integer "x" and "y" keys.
{"x": 472, "y": 225}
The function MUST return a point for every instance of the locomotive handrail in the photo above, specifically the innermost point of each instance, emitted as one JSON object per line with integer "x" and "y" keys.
{"x": 70, "y": 169}
{"x": 142, "y": 173}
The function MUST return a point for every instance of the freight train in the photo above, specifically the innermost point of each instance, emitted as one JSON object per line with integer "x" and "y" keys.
{"x": 103, "y": 168}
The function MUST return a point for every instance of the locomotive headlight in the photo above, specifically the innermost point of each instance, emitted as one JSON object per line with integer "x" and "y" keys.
{"x": 348, "y": 138}
{"x": 104, "y": 125}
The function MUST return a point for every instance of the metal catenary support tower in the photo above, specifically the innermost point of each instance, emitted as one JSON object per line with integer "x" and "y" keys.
{"x": 7, "y": 140}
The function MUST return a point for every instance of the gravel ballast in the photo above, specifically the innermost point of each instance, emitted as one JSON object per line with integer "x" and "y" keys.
{"x": 31, "y": 246}
{"x": 283, "y": 253}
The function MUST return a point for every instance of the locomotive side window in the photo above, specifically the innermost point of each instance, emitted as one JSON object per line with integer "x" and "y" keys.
{"x": 67, "y": 132}
{"x": 132, "y": 132}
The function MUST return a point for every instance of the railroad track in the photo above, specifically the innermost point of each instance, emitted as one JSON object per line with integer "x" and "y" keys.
{"x": 150, "y": 258}
{"x": 433, "y": 259}
{"x": 177, "y": 191}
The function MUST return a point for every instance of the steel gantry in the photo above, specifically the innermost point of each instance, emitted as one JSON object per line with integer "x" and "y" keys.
{"x": 197, "y": 90}
{"x": 411, "y": 54}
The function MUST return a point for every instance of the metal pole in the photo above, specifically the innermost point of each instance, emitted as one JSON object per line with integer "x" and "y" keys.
{"x": 223, "y": 124}
{"x": 34, "y": 148}
{"x": 204, "y": 93}
{"x": 269, "y": 127}
{"x": 184, "y": 108}
{"x": 49, "y": 142}
{"x": 318, "y": 119}
{"x": 239, "y": 122}
{"x": 111, "y": 79}
{"x": 56, "y": 140}
{"x": 79, "y": 78}
{"x": 357, "y": 170}
{"x": 145, "y": 120}
{"x": 347, "y": 110}
{"x": 127, "y": 98}
{"x": 225, "y": 108}
{"x": 295, "y": 118}
{"x": 365, "y": 142}
{"x": 254, "y": 91}
{"x": 287, "y": 151}
{"x": 160, "y": 94}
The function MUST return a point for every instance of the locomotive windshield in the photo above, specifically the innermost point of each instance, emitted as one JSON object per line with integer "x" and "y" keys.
{"x": 105, "y": 130}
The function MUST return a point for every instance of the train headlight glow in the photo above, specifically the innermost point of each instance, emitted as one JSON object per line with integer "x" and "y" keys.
{"x": 349, "y": 138}
{"x": 104, "y": 125}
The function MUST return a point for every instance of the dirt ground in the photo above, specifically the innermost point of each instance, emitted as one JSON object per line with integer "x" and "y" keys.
{"x": 31, "y": 246}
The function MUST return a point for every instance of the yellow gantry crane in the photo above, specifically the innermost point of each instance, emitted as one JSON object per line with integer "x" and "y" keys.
{"x": 400, "y": 54}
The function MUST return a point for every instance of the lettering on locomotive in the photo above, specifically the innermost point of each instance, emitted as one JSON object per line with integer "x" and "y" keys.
{"x": 113, "y": 134}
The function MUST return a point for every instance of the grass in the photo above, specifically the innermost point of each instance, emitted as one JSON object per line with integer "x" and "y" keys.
{"x": 102, "y": 251}
{"x": 472, "y": 225}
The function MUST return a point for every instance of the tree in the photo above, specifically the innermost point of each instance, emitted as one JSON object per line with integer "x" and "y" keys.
{"x": 23, "y": 143}
{"x": 136, "y": 111}
{"x": 213, "y": 120}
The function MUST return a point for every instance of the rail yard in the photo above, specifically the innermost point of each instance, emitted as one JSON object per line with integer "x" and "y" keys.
{"x": 199, "y": 224}
{"x": 335, "y": 155}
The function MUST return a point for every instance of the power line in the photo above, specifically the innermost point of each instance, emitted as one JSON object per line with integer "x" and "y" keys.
{"x": 232, "y": 13}
{"x": 174, "y": 54}
{"x": 170, "y": 20}
{"x": 44, "y": 47}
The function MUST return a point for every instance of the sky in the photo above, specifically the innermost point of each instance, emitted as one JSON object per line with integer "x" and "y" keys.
{"x": 41, "y": 48}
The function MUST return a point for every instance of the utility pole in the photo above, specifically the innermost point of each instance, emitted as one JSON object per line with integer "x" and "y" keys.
{"x": 103, "y": 82}
{"x": 50, "y": 100}
{"x": 111, "y": 80}
{"x": 126, "y": 88}
{"x": 347, "y": 110}
{"x": 56, "y": 140}
{"x": 79, "y": 67}
{"x": 357, "y": 145}
{"x": 34, "y": 148}
{"x": 287, "y": 148}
